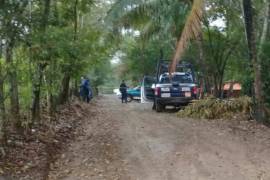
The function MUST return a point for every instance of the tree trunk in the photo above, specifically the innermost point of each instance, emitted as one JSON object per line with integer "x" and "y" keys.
{"x": 265, "y": 28}
{"x": 75, "y": 20}
{"x": 202, "y": 64}
{"x": 65, "y": 89}
{"x": 40, "y": 67}
{"x": 2, "y": 104}
{"x": 161, "y": 54}
{"x": 64, "y": 94}
{"x": 76, "y": 89}
{"x": 36, "y": 92}
{"x": 220, "y": 87}
{"x": 2, "y": 109}
{"x": 2, "y": 117}
{"x": 251, "y": 39}
{"x": 46, "y": 13}
{"x": 50, "y": 104}
{"x": 12, "y": 77}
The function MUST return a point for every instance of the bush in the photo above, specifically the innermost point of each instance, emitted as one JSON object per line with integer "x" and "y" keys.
{"x": 212, "y": 108}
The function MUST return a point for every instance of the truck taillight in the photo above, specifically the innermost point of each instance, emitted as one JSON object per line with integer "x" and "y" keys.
{"x": 195, "y": 90}
{"x": 157, "y": 91}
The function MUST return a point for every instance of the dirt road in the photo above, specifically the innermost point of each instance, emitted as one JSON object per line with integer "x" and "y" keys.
{"x": 130, "y": 141}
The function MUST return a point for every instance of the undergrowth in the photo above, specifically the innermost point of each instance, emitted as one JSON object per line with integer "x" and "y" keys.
{"x": 213, "y": 108}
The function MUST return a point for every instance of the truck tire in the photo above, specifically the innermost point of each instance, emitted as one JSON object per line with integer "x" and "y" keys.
{"x": 129, "y": 98}
{"x": 159, "y": 107}
{"x": 154, "y": 106}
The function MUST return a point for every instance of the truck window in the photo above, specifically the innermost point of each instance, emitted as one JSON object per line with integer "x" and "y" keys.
{"x": 185, "y": 78}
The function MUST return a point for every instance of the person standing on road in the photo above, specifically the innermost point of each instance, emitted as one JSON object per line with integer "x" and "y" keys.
{"x": 123, "y": 90}
{"x": 85, "y": 90}
{"x": 82, "y": 93}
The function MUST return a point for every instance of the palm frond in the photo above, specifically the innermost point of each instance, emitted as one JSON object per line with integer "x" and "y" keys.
{"x": 191, "y": 30}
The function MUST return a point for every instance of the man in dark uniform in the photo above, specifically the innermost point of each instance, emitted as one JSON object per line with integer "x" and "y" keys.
{"x": 123, "y": 90}
{"x": 85, "y": 90}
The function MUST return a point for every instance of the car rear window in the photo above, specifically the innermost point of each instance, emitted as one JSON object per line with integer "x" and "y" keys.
{"x": 178, "y": 78}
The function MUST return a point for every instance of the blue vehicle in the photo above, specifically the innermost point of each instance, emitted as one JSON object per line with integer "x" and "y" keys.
{"x": 134, "y": 93}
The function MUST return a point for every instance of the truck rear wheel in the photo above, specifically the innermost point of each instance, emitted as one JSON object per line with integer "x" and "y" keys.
{"x": 154, "y": 106}
{"x": 159, "y": 107}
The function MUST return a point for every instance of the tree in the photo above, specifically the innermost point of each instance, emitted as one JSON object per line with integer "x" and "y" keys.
{"x": 40, "y": 65}
{"x": 2, "y": 105}
{"x": 251, "y": 39}
{"x": 12, "y": 30}
{"x": 191, "y": 30}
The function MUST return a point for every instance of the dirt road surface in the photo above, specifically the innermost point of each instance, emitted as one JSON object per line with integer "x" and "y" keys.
{"x": 131, "y": 142}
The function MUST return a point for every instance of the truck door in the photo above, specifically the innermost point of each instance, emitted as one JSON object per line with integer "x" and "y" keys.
{"x": 147, "y": 89}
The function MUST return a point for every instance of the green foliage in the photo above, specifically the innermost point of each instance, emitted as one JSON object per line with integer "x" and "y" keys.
{"x": 155, "y": 19}
{"x": 51, "y": 41}
{"x": 140, "y": 58}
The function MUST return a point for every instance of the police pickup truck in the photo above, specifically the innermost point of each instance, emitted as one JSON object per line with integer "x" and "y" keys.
{"x": 177, "y": 89}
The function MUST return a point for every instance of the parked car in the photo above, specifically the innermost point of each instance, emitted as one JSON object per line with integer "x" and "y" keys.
{"x": 134, "y": 93}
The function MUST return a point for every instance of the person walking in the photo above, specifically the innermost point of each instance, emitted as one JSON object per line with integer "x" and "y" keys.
{"x": 123, "y": 90}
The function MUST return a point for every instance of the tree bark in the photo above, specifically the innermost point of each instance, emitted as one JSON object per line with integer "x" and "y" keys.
{"x": 65, "y": 89}
{"x": 75, "y": 20}
{"x": 265, "y": 28}
{"x": 12, "y": 77}
{"x": 50, "y": 107}
{"x": 2, "y": 98}
{"x": 251, "y": 39}
{"x": 2, "y": 108}
{"x": 202, "y": 79}
{"x": 76, "y": 89}
{"x": 36, "y": 94}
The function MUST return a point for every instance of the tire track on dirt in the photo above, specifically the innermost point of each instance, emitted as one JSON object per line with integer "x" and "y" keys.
{"x": 144, "y": 145}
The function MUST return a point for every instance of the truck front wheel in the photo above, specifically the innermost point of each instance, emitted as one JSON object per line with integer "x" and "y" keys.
{"x": 129, "y": 98}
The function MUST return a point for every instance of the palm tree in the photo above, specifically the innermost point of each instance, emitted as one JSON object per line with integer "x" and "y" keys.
{"x": 192, "y": 29}
{"x": 156, "y": 19}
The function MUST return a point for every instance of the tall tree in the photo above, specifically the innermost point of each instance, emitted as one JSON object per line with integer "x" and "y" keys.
{"x": 2, "y": 104}
{"x": 64, "y": 94}
{"x": 40, "y": 65}
{"x": 251, "y": 39}
{"x": 12, "y": 26}
{"x": 191, "y": 30}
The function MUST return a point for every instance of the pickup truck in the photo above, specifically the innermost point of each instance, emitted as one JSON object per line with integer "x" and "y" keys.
{"x": 177, "y": 89}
